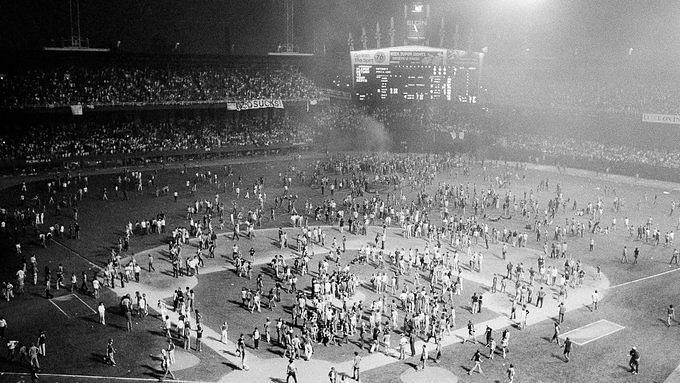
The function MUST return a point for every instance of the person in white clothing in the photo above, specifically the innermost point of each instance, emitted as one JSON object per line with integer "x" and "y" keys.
{"x": 596, "y": 299}
{"x": 102, "y": 313}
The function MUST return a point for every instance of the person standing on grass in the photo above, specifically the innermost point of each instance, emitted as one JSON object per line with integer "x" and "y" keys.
{"x": 488, "y": 333}
{"x": 223, "y": 332}
{"x": 525, "y": 316}
{"x": 356, "y": 367}
{"x": 596, "y": 299}
{"x": 567, "y": 349}
{"x": 187, "y": 334}
{"x": 33, "y": 352}
{"x": 199, "y": 337}
{"x": 624, "y": 255}
{"x": 438, "y": 350}
{"x": 424, "y": 355}
{"x": 240, "y": 345}
{"x": 556, "y": 333}
{"x": 670, "y": 315}
{"x": 95, "y": 287}
{"x": 256, "y": 338}
{"x": 634, "y": 362}
{"x": 510, "y": 374}
{"x": 42, "y": 340}
{"x": 412, "y": 342}
{"x": 471, "y": 332}
{"x": 541, "y": 296}
{"x": 492, "y": 348}
{"x": 110, "y": 351}
{"x": 165, "y": 365}
{"x": 402, "y": 346}
{"x": 562, "y": 310}
{"x": 477, "y": 359}
{"x": 171, "y": 351}
{"x": 126, "y": 306}
{"x": 505, "y": 340}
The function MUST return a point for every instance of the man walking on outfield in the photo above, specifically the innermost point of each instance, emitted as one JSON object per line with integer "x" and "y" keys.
{"x": 477, "y": 358}
{"x": 624, "y": 256}
{"x": 670, "y": 314}
{"x": 567, "y": 349}
{"x": 562, "y": 310}
{"x": 556, "y": 334}
{"x": 510, "y": 373}
{"x": 109, "y": 352}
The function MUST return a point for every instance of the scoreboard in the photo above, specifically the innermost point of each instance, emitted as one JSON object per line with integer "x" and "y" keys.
{"x": 415, "y": 73}
{"x": 415, "y": 83}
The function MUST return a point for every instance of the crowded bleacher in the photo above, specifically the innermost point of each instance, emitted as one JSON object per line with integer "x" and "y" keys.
{"x": 114, "y": 85}
{"x": 517, "y": 106}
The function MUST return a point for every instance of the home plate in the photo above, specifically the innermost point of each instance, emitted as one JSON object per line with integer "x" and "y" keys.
{"x": 591, "y": 332}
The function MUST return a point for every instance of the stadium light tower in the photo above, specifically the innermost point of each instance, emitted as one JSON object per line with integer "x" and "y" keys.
{"x": 76, "y": 42}
{"x": 290, "y": 25}
{"x": 289, "y": 48}
{"x": 75, "y": 22}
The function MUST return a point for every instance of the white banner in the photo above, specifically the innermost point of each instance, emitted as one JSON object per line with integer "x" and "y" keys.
{"x": 77, "y": 110}
{"x": 661, "y": 118}
{"x": 255, "y": 104}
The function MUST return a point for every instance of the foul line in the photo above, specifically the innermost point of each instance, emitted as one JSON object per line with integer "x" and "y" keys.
{"x": 645, "y": 278}
{"x": 68, "y": 248}
{"x": 619, "y": 328}
{"x": 88, "y": 306}
{"x": 98, "y": 377}
{"x": 59, "y": 308}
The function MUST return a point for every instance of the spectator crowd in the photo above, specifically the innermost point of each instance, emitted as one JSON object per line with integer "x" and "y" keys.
{"x": 115, "y": 85}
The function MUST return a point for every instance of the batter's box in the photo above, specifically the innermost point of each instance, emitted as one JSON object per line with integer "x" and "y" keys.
{"x": 592, "y": 332}
{"x": 71, "y": 305}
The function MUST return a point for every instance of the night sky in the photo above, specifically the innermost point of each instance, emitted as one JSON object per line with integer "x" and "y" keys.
{"x": 546, "y": 27}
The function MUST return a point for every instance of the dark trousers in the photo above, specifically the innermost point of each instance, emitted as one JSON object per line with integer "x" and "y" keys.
{"x": 291, "y": 375}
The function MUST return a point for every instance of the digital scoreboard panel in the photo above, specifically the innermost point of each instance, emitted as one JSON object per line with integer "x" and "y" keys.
{"x": 374, "y": 83}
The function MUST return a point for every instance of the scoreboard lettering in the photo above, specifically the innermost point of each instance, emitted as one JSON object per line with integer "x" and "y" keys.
{"x": 415, "y": 73}
{"x": 360, "y": 72}
{"x": 414, "y": 83}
